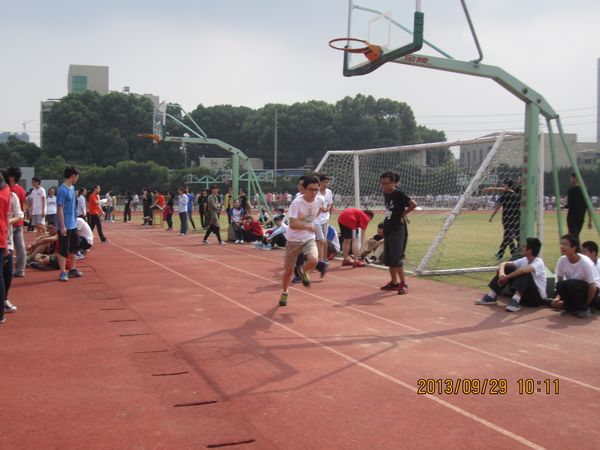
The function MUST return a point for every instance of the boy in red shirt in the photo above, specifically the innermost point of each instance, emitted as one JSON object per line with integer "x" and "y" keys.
{"x": 253, "y": 230}
{"x": 350, "y": 220}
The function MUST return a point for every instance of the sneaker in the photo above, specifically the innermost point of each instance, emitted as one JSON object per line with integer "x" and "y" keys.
{"x": 2, "y": 320}
{"x": 74, "y": 273}
{"x": 267, "y": 247}
{"x": 391, "y": 286}
{"x": 322, "y": 268}
{"x": 486, "y": 300}
{"x": 222, "y": 243}
{"x": 236, "y": 241}
{"x": 258, "y": 245}
{"x": 105, "y": 241}
{"x": 402, "y": 289}
{"x": 283, "y": 299}
{"x": 513, "y": 306}
{"x": 205, "y": 242}
{"x": 9, "y": 307}
{"x": 79, "y": 257}
{"x": 63, "y": 276}
{"x": 583, "y": 314}
{"x": 19, "y": 274}
{"x": 297, "y": 279}
{"x": 305, "y": 280}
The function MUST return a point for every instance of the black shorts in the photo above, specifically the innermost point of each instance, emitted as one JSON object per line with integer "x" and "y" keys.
{"x": 394, "y": 246}
{"x": 347, "y": 233}
{"x": 69, "y": 243}
{"x": 84, "y": 244}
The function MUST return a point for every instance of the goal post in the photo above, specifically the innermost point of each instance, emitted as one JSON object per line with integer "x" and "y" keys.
{"x": 455, "y": 184}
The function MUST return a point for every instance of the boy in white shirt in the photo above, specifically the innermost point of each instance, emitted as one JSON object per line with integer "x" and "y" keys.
{"x": 526, "y": 277}
{"x": 577, "y": 279}
{"x": 38, "y": 205}
{"x": 590, "y": 249}
{"x": 301, "y": 236}
{"x": 322, "y": 221}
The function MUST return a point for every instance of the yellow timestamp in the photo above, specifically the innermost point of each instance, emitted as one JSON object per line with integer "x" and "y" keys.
{"x": 486, "y": 386}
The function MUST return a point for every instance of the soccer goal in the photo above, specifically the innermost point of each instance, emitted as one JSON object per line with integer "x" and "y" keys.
{"x": 455, "y": 184}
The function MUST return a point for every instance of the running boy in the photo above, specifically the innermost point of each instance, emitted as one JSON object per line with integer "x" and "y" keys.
{"x": 301, "y": 236}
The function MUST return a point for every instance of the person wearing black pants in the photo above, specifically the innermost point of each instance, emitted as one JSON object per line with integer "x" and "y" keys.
{"x": 127, "y": 209}
{"x": 95, "y": 222}
{"x": 526, "y": 278}
{"x": 577, "y": 208}
{"x": 214, "y": 212}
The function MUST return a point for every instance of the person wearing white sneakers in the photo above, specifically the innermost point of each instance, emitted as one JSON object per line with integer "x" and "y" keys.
{"x": 213, "y": 215}
{"x": 68, "y": 240}
{"x": 525, "y": 276}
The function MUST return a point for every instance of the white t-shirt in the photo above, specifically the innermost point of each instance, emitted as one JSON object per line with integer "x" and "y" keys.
{"x": 583, "y": 269}
{"x": 237, "y": 214}
{"x": 38, "y": 197}
{"x": 84, "y": 231}
{"x": 539, "y": 273}
{"x": 81, "y": 205}
{"x": 305, "y": 211}
{"x": 327, "y": 199}
{"x": 51, "y": 205}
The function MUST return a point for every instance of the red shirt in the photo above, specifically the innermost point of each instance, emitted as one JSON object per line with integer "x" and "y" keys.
{"x": 18, "y": 189}
{"x": 94, "y": 204}
{"x": 4, "y": 209}
{"x": 354, "y": 218}
{"x": 254, "y": 227}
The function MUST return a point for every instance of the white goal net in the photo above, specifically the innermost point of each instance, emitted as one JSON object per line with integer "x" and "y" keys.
{"x": 456, "y": 186}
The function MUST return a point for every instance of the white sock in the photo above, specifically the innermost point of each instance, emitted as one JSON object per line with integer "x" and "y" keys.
{"x": 516, "y": 297}
{"x": 492, "y": 294}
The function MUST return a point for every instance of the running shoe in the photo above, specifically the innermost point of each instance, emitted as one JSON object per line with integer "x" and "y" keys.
{"x": 305, "y": 280}
{"x": 9, "y": 307}
{"x": 63, "y": 276}
{"x": 402, "y": 289}
{"x": 486, "y": 300}
{"x": 283, "y": 299}
{"x": 297, "y": 279}
{"x": 74, "y": 273}
{"x": 222, "y": 243}
{"x": 322, "y": 268}
{"x": 391, "y": 286}
{"x": 205, "y": 242}
{"x": 583, "y": 314}
{"x": 267, "y": 247}
{"x": 513, "y": 306}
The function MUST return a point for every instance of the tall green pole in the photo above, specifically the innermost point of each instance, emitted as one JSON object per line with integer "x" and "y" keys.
{"x": 235, "y": 175}
{"x": 555, "y": 182}
{"x": 530, "y": 170}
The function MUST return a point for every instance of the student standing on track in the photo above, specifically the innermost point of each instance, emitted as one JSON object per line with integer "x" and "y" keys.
{"x": 14, "y": 175}
{"x": 323, "y": 218}
{"x": 577, "y": 207}
{"x": 182, "y": 203}
{"x": 68, "y": 239}
{"x": 81, "y": 204}
{"x": 214, "y": 213}
{"x": 95, "y": 212}
{"x": 395, "y": 231}
{"x": 510, "y": 202}
{"x": 301, "y": 236}
{"x": 190, "y": 207}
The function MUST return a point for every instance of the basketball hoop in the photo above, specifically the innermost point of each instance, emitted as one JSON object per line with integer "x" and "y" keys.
{"x": 155, "y": 137}
{"x": 372, "y": 52}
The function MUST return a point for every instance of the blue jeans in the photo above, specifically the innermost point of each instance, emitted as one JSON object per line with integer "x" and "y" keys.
{"x": 183, "y": 219}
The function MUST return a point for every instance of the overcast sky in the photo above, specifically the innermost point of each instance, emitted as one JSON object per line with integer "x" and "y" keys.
{"x": 245, "y": 52}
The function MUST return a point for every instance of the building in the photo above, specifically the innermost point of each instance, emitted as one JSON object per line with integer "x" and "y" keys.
{"x": 4, "y": 135}
{"x": 87, "y": 78}
{"x": 472, "y": 155}
{"x": 588, "y": 155}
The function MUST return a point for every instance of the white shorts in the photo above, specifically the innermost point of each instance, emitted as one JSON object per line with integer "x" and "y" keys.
{"x": 321, "y": 231}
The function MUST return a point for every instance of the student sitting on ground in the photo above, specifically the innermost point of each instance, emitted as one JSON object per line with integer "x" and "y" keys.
{"x": 44, "y": 244}
{"x": 590, "y": 249}
{"x": 253, "y": 231}
{"x": 373, "y": 253}
{"x": 236, "y": 217}
{"x": 276, "y": 235}
{"x": 350, "y": 221}
{"x": 526, "y": 277}
{"x": 577, "y": 280}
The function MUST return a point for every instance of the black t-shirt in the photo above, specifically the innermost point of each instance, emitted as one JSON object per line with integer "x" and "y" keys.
{"x": 511, "y": 208}
{"x": 395, "y": 204}
{"x": 128, "y": 200}
{"x": 202, "y": 202}
{"x": 576, "y": 203}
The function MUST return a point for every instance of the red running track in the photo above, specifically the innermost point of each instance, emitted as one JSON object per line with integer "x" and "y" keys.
{"x": 165, "y": 343}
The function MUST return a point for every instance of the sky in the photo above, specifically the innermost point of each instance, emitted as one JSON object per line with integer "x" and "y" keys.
{"x": 251, "y": 53}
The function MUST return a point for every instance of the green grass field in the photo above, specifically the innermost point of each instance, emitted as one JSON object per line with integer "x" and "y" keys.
{"x": 472, "y": 241}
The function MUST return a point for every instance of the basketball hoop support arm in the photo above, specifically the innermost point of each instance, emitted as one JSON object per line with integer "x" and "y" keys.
{"x": 535, "y": 104}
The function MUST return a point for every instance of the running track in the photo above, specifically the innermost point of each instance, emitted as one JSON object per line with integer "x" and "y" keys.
{"x": 165, "y": 343}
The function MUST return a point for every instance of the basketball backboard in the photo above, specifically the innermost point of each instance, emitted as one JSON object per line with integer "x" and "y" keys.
{"x": 386, "y": 23}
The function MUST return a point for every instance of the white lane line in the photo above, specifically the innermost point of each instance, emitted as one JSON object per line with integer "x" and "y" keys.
{"x": 371, "y": 369}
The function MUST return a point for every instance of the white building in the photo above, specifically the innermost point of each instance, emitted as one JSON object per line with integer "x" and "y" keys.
{"x": 87, "y": 78}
